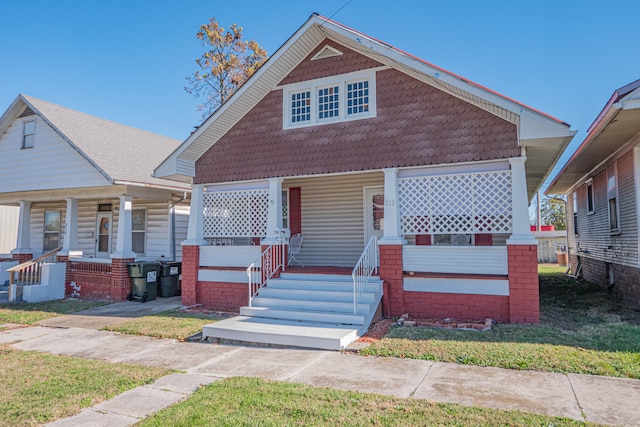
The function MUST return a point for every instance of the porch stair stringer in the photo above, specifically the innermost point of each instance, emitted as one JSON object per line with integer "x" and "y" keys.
{"x": 303, "y": 310}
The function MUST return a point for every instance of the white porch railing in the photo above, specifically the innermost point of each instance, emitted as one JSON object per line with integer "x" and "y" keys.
{"x": 28, "y": 273}
{"x": 366, "y": 265}
{"x": 270, "y": 261}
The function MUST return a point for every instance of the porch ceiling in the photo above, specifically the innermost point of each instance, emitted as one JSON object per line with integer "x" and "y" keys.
{"x": 112, "y": 191}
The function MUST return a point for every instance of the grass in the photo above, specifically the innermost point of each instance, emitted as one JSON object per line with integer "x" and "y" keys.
{"x": 29, "y": 314}
{"x": 38, "y": 388}
{"x": 167, "y": 324}
{"x": 255, "y": 402}
{"x": 583, "y": 329}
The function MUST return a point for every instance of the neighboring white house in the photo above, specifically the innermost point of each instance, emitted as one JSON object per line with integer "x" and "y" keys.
{"x": 85, "y": 184}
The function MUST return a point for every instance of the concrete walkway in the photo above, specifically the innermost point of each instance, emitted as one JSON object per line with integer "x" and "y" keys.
{"x": 582, "y": 397}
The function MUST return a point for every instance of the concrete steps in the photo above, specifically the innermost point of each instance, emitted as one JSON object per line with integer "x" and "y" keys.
{"x": 303, "y": 310}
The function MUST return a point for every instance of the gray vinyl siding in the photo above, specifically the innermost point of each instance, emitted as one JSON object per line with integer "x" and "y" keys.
{"x": 333, "y": 218}
{"x": 8, "y": 228}
{"x": 595, "y": 239}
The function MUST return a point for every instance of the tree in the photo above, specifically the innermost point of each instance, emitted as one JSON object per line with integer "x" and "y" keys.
{"x": 225, "y": 65}
{"x": 553, "y": 212}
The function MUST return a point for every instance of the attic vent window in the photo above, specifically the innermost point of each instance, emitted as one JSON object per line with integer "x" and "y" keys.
{"x": 27, "y": 112}
{"x": 28, "y": 131}
{"x": 326, "y": 52}
{"x": 331, "y": 99}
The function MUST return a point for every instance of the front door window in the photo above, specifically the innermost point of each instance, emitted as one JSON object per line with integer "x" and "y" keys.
{"x": 103, "y": 240}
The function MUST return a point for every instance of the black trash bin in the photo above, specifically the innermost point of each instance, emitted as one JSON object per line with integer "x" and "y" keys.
{"x": 169, "y": 274}
{"x": 144, "y": 277}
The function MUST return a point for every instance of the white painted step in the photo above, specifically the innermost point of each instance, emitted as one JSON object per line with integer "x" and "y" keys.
{"x": 304, "y": 316}
{"x": 324, "y": 306}
{"x": 281, "y": 332}
{"x": 311, "y": 285}
{"x": 318, "y": 277}
{"x": 317, "y": 295}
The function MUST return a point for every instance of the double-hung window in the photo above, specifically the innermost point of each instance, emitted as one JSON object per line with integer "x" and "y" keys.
{"x": 331, "y": 99}
{"x": 28, "y": 132}
{"x": 574, "y": 197}
{"x": 138, "y": 230}
{"x": 51, "y": 230}
{"x": 590, "y": 202}
{"x": 612, "y": 196}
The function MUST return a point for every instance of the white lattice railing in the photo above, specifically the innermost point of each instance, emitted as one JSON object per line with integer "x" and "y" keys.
{"x": 458, "y": 203}
{"x": 270, "y": 261}
{"x": 366, "y": 265}
{"x": 238, "y": 213}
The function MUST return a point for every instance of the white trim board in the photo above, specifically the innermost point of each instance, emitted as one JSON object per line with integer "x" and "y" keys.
{"x": 227, "y": 276}
{"x": 498, "y": 287}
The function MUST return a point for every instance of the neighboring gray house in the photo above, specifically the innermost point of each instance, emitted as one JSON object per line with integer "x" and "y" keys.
{"x": 602, "y": 184}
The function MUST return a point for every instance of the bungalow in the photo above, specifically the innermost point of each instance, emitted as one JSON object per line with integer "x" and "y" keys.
{"x": 357, "y": 146}
{"x": 602, "y": 184}
{"x": 84, "y": 184}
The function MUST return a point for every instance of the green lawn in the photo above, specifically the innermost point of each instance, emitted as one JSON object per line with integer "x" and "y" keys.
{"x": 254, "y": 402}
{"x": 167, "y": 324}
{"x": 583, "y": 329}
{"x": 38, "y": 388}
{"x": 29, "y": 314}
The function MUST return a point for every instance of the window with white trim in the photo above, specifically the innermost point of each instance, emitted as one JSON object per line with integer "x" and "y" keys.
{"x": 138, "y": 230}
{"x": 28, "y": 132}
{"x": 51, "y": 230}
{"x": 332, "y": 99}
{"x": 575, "y": 213}
{"x": 301, "y": 106}
{"x": 612, "y": 196}
{"x": 590, "y": 202}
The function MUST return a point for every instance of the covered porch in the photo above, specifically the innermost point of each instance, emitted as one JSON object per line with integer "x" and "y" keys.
{"x": 100, "y": 231}
{"x": 448, "y": 233}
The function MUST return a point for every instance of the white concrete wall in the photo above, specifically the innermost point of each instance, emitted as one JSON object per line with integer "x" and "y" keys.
{"x": 52, "y": 287}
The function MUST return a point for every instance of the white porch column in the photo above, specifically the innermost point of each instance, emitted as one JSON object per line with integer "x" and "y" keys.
{"x": 521, "y": 234}
{"x": 391, "y": 232}
{"x": 274, "y": 213}
{"x": 195, "y": 233}
{"x": 70, "y": 240}
{"x": 23, "y": 242}
{"x": 123, "y": 239}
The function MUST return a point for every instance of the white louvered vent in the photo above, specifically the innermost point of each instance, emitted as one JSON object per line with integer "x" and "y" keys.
{"x": 27, "y": 112}
{"x": 326, "y": 52}
{"x": 462, "y": 203}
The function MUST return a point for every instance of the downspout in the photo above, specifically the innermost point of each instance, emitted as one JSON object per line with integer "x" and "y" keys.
{"x": 172, "y": 214}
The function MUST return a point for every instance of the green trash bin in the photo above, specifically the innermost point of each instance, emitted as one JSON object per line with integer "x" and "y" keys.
{"x": 145, "y": 276}
{"x": 169, "y": 274}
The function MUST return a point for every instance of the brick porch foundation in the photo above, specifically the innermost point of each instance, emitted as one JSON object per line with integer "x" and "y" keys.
{"x": 521, "y": 306}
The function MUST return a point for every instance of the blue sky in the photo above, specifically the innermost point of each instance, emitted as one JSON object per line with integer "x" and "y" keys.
{"x": 126, "y": 60}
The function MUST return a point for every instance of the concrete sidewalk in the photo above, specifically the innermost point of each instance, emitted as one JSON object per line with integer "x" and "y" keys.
{"x": 582, "y": 397}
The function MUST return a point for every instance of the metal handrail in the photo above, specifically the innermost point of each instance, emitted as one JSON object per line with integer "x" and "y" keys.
{"x": 366, "y": 265}
{"x": 268, "y": 263}
{"x": 28, "y": 273}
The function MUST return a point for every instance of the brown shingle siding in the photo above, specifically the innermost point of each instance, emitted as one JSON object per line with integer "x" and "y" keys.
{"x": 348, "y": 62}
{"x": 416, "y": 125}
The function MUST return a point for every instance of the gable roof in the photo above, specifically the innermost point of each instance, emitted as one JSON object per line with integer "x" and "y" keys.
{"x": 544, "y": 136}
{"x": 616, "y": 124}
{"x": 122, "y": 154}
